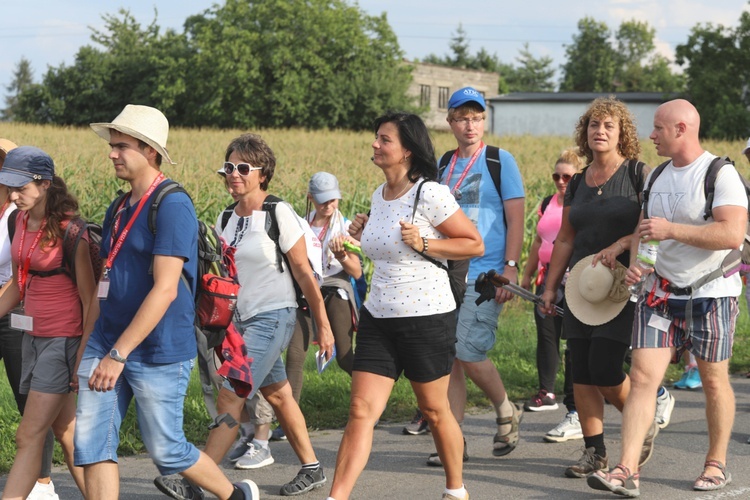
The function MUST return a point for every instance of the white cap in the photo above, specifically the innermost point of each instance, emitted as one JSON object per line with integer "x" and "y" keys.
{"x": 747, "y": 148}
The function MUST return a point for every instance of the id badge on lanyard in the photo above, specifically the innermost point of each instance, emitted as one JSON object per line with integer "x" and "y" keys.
{"x": 20, "y": 321}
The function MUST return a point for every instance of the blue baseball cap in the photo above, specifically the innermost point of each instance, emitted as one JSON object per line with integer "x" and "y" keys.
{"x": 464, "y": 95}
{"x": 25, "y": 164}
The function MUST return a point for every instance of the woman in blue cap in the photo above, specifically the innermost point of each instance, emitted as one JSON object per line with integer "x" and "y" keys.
{"x": 49, "y": 305}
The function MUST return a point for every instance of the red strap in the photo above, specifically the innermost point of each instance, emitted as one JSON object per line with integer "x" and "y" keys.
{"x": 24, "y": 264}
{"x": 466, "y": 170}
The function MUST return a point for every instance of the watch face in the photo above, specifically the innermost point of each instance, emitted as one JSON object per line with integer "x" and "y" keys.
{"x": 512, "y": 263}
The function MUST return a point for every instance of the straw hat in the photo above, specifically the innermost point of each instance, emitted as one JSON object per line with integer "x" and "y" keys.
{"x": 142, "y": 122}
{"x": 596, "y": 295}
{"x": 5, "y": 146}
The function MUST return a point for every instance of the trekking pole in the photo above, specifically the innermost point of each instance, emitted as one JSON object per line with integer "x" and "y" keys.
{"x": 486, "y": 283}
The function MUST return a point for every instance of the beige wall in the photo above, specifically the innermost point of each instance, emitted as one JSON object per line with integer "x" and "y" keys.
{"x": 441, "y": 77}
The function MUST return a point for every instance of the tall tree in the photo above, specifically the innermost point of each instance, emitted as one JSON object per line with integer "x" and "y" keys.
{"x": 23, "y": 78}
{"x": 591, "y": 60}
{"x": 532, "y": 74}
{"x": 717, "y": 67}
{"x": 460, "y": 46}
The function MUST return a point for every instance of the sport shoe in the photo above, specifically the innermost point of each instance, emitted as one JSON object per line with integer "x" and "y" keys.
{"x": 249, "y": 488}
{"x": 417, "y": 426}
{"x": 178, "y": 487}
{"x": 569, "y": 428}
{"x": 304, "y": 481}
{"x": 43, "y": 491}
{"x": 434, "y": 458}
{"x": 543, "y": 401}
{"x": 693, "y": 379}
{"x": 448, "y": 496}
{"x": 277, "y": 435}
{"x": 664, "y": 407}
{"x": 682, "y": 383}
{"x": 239, "y": 449}
{"x": 255, "y": 458}
{"x": 648, "y": 444}
{"x": 588, "y": 463}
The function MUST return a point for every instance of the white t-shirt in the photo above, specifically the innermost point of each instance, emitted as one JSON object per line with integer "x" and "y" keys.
{"x": 6, "y": 271}
{"x": 678, "y": 196}
{"x": 262, "y": 286}
{"x": 338, "y": 225}
{"x": 403, "y": 282}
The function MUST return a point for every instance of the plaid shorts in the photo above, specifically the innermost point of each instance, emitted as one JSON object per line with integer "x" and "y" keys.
{"x": 709, "y": 339}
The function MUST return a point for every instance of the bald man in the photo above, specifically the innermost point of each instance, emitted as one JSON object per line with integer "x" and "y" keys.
{"x": 689, "y": 247}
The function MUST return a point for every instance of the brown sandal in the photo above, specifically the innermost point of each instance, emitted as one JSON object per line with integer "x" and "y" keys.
{"x": 502, "y": 445}
{"x": 712, "y": 483}
{"x": 603, "y": 481}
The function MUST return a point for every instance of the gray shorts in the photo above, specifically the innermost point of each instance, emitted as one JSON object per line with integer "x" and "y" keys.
{"x": 48, "y": 363}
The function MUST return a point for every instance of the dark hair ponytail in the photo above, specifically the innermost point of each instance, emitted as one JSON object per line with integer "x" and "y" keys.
{"x": 60, "y": 206}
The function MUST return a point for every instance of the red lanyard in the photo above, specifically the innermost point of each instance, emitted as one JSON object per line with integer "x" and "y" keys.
{"x": 5, "y": 207}
{"x": 24, "y": 264}
{"x": 115, "y": 246}
{"x": 324, "y": 230}
{"x": 466, "y": 170}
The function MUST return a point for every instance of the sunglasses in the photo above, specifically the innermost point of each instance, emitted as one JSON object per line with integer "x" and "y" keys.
{"x": 564, "y": 177}
{"x": 242, "y": 168}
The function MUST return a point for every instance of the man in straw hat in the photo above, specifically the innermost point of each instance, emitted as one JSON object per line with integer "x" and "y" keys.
{"x": 143, "y": 343}
{"x": 678, "y": 316}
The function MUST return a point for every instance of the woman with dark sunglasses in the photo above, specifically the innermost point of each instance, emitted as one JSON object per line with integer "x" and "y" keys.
{"x": 549, "y": 328}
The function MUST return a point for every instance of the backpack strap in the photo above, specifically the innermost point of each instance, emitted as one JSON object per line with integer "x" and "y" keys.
{"x": 269, "y": 205}
{"x": 444, "y": 160}
{"x": 165, "y": 188}
{"x": 709, "y": 185}
{"x": 227, "y": 214}
{"x": 413, "y": 213}
{"x": 575, "y": 181}
{"x": 492, "y": 156}
{"x": 73, "y": 233}
{"x": 654, "y": 174}
{"x": 545, "y": 203}
{"x": 12, "y": 223}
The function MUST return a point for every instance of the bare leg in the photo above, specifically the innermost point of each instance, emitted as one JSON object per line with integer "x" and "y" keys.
{"x": 102, "y": 481}
{"x": 457, "y": 391}
{"x": 64, "y": 428}
{"x": 590, "y": 406}
{"x": 206, "y": 474}
{"x": 720, "y": 409}
{"x": 617, "y": 394}
{"x": 485, "y": 375}
{"x": 291, "y": 419}
{"x": 369, "y": 395}
{"x": 221, "y": 438}
{"x": 446, "y": 433}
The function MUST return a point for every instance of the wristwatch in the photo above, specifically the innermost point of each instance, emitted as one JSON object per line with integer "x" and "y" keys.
{"x": 115, "y": 354}
{"x": 512, "y": 263}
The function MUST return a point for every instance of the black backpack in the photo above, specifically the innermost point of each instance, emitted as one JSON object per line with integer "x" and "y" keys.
{"x": 72, "y": 236}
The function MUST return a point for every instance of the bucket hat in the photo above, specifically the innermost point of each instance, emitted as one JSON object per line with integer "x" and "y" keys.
{"x": 464, "y": 95}
{"x": 596, "y": 295}
{"x": 324, "y": 187}
{"x": 25, "y": 164}
{"x": 142, "y": 122}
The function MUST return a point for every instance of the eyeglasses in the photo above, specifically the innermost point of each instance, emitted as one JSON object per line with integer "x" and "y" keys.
{"x": 565, "y": 177}
{"x": 242, "y": 168}
{"x": 465, "y": 121}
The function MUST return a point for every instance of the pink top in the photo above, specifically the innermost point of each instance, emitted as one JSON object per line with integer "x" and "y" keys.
{"x": 547, "y": 229}
{"x": 51, "y": 301}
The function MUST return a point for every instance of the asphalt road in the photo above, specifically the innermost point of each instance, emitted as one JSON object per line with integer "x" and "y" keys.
{"x": 397, "y": 467}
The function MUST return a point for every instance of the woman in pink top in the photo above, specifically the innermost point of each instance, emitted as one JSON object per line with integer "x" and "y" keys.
{"x": 549, "y": 328}
{"x": 47, "y": 304}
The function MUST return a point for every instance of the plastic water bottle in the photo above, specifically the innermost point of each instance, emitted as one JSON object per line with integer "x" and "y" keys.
{"x": 646, "y": 260}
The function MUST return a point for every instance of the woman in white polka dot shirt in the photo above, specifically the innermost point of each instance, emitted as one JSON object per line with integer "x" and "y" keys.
{"x": 408, "y": 322}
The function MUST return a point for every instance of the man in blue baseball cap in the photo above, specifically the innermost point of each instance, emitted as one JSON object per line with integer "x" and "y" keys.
{"x": 488, "y": 186}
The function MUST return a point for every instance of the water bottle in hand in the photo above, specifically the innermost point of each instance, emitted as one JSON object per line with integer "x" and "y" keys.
{"x": 646, "y": 260}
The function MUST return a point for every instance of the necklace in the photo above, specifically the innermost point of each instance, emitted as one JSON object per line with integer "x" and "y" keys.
{"x": 598, "y": 187}
{"x": 408, "y": 184}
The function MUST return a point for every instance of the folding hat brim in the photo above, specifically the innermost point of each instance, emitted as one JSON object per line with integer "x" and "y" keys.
{"x": 102, "y": 130}
{"x": 587, "y": 312}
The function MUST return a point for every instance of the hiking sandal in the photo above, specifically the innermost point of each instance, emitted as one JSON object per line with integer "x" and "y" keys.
{"x": 502, "y": 445}
{"x": 712, "y": 483}
{"x": 603, "y": 481}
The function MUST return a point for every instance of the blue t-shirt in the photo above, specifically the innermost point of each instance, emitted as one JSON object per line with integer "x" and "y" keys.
{"x": 131, "y": 280}
{"x": 482, "y": 205}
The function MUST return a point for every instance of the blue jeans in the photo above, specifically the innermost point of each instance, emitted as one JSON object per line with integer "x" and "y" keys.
{"x": 159, "y": 391}
{"x": 267, "y": 335}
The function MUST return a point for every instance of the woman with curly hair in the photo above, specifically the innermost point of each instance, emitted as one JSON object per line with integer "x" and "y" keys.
{"x": 601, "y": 210}
{"x": 51, "y": 304}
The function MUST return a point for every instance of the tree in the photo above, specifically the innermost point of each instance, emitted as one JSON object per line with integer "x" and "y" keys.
{"x": 717, "y": 68}
{"x": 23, "y": 78}
{"x": 639, "y": 68}
{"x": 532, "y": 74}
{"x": 460, "y": 47}
{"x": 591, "y": 60}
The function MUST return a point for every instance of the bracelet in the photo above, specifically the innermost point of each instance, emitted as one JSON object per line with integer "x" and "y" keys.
{"x": 425, "y": 245}
{"x": 344, "y": 258}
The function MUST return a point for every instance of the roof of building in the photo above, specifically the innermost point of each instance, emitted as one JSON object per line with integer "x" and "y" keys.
{"x": 657, "y": 97}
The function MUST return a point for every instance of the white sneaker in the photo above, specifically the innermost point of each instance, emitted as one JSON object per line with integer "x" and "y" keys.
{"x": 664, "y": 407}
{"x": 43, "y": 491}
{"x": 254, "y": 458}
{"x": 569, "y": 428}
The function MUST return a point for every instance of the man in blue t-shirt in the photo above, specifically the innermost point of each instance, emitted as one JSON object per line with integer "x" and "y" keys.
{"x": 143, "y": 343}
{"x": 499, "y": 217}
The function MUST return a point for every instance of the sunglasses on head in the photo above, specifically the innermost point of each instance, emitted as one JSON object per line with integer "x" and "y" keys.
{"x": 242, "y": 168}
{"x": 565, "y": 177}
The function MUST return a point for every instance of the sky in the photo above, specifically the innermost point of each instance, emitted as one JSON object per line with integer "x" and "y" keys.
{"x": 50, "y": 32}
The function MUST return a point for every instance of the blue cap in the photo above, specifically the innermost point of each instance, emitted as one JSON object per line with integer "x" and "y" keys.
{"x": 25, "y": 164}
{"x": 464, "y": 95}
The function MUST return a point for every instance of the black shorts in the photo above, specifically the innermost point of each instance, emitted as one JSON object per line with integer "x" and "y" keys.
{"x": 422, "y": 347}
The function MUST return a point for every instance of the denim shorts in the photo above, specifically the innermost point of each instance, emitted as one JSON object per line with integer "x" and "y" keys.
{"x": 477, "y": 327}
{"x": 267, "y": 335}
{"x": 710, "y": 338}
{"x": 159, "y": 391}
